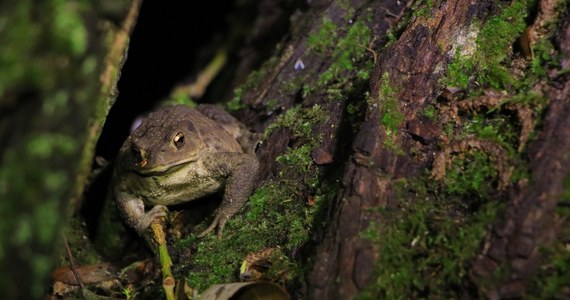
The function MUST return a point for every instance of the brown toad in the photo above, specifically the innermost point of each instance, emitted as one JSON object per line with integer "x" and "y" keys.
{"x": 179, "y": 154}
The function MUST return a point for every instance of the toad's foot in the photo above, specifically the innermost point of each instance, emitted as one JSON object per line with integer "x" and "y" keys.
{"x": 143, "y": 223}
{"x": 219, "y": 221}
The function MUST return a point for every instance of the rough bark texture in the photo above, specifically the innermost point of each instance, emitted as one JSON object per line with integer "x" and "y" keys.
{"x": 413, "y": 67}
{"x": 358, "y": 77}
{"x": 530, "y": 223}
{"x": 52, "y": 108}
{"x": 284, "y": 71}
{"x": 343, "y": 260}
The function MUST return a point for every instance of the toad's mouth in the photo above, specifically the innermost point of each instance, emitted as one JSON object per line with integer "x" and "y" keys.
{"x": 163, "y": 169}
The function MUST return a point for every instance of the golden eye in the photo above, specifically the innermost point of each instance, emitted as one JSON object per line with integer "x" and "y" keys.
{"x": 178, "y": 140}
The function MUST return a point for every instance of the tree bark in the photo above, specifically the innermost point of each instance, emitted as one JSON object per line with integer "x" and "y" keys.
{"x": 396, "y": 101}
{"x": 530, "y": 222}
{"x": 343, "y": 266}
{"x": 52, "y": 109}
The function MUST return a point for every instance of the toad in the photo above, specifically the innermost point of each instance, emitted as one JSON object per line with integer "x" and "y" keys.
{"x": 179, "y": 154}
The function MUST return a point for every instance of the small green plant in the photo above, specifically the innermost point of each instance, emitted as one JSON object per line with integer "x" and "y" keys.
{"x": 422, "y": 8}
{"x": 430, "y": 112}
{"x": 129, "y": 293}
{"x": 235, "y": 103}
{"x": 346, "y": 52}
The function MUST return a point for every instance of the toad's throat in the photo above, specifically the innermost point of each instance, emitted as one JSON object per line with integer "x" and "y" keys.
{"x": 163, "y": 169}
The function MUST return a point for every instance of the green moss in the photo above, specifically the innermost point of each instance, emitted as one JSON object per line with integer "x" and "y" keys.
{"x": 472, "y": 176}
{"x": 495, "y": 127}
{"x": 180, "y": 98}
{"x": 391, "y": 143}
{"x": 499, "y": 33}
{"x": 430, "y": 112}
{"x": 299, "y": 158}
{"x": 347, "y": 51}
{"x": 349, "y": 9}
{"x": 326, "y": 36}
{"x": 543, "y": 58}
{"x": 48, "y": 61}
{"x": 235, "y": 103}
{"x": 60, "y": 31}
{"x": 254, "y": 79}
{"x": 12, "y": 72}
{"x": 271, "y": 104}
{"x": 422, "y": 8}
{"x": 45, "y": 145}
{"x": 299, "y": 120}
{"x": 389, "y": 105}
{"x": 69, "y": 33}
{"x": 280, "y": 214}
{"x": 459, "y": 72}
{"x": 554, "y": 275}
{"x": 391, "y": 117}
{"x": 426, "y": 245}
{"x": 494, "y": 43}
{"x": 276, "y": 215}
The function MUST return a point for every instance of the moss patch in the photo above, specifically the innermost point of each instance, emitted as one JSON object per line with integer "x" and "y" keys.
{"x": 280, "y": 214}
{"x": 427, "y": 243}
{"x": 349, "y": 49}
{"x": 390, "y": 115}
{"x": 346, "y": 49}
{"x": 485, "y": 68}
{"x": 554, "y": 275}
{"x": 322, "y": 40}
{"x": 251, "y": 84}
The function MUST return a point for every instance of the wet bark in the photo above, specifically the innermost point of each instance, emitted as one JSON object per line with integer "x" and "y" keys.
{"x": 405, "y": 60}
{"x": 343, "y": 260}
{"x": 530, "y": 223}
{"x": 416, "y": 63}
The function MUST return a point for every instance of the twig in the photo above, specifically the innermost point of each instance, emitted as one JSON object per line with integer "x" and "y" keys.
{"x": 72, "y": 266}
{"x": 197, "y": 88}
{"x": 168, "y": 282}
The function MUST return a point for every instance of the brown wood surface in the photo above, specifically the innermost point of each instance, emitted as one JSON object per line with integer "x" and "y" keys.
{"x": 416, "y": 62}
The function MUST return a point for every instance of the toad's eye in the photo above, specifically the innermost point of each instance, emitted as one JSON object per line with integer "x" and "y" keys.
{"x": 137, "y": 152}
{"x": 178, "y": 140}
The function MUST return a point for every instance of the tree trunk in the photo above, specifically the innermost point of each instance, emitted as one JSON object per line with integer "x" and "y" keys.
{"x": 409, "y": 149}
{"x": 413, "y": 67}
{"x": 59, "y": 63}
{"x": 398, "y": 140}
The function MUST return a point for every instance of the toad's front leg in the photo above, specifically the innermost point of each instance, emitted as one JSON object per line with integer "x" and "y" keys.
{"x": 241, "y": 180}
{"x": 135, "y": 216}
